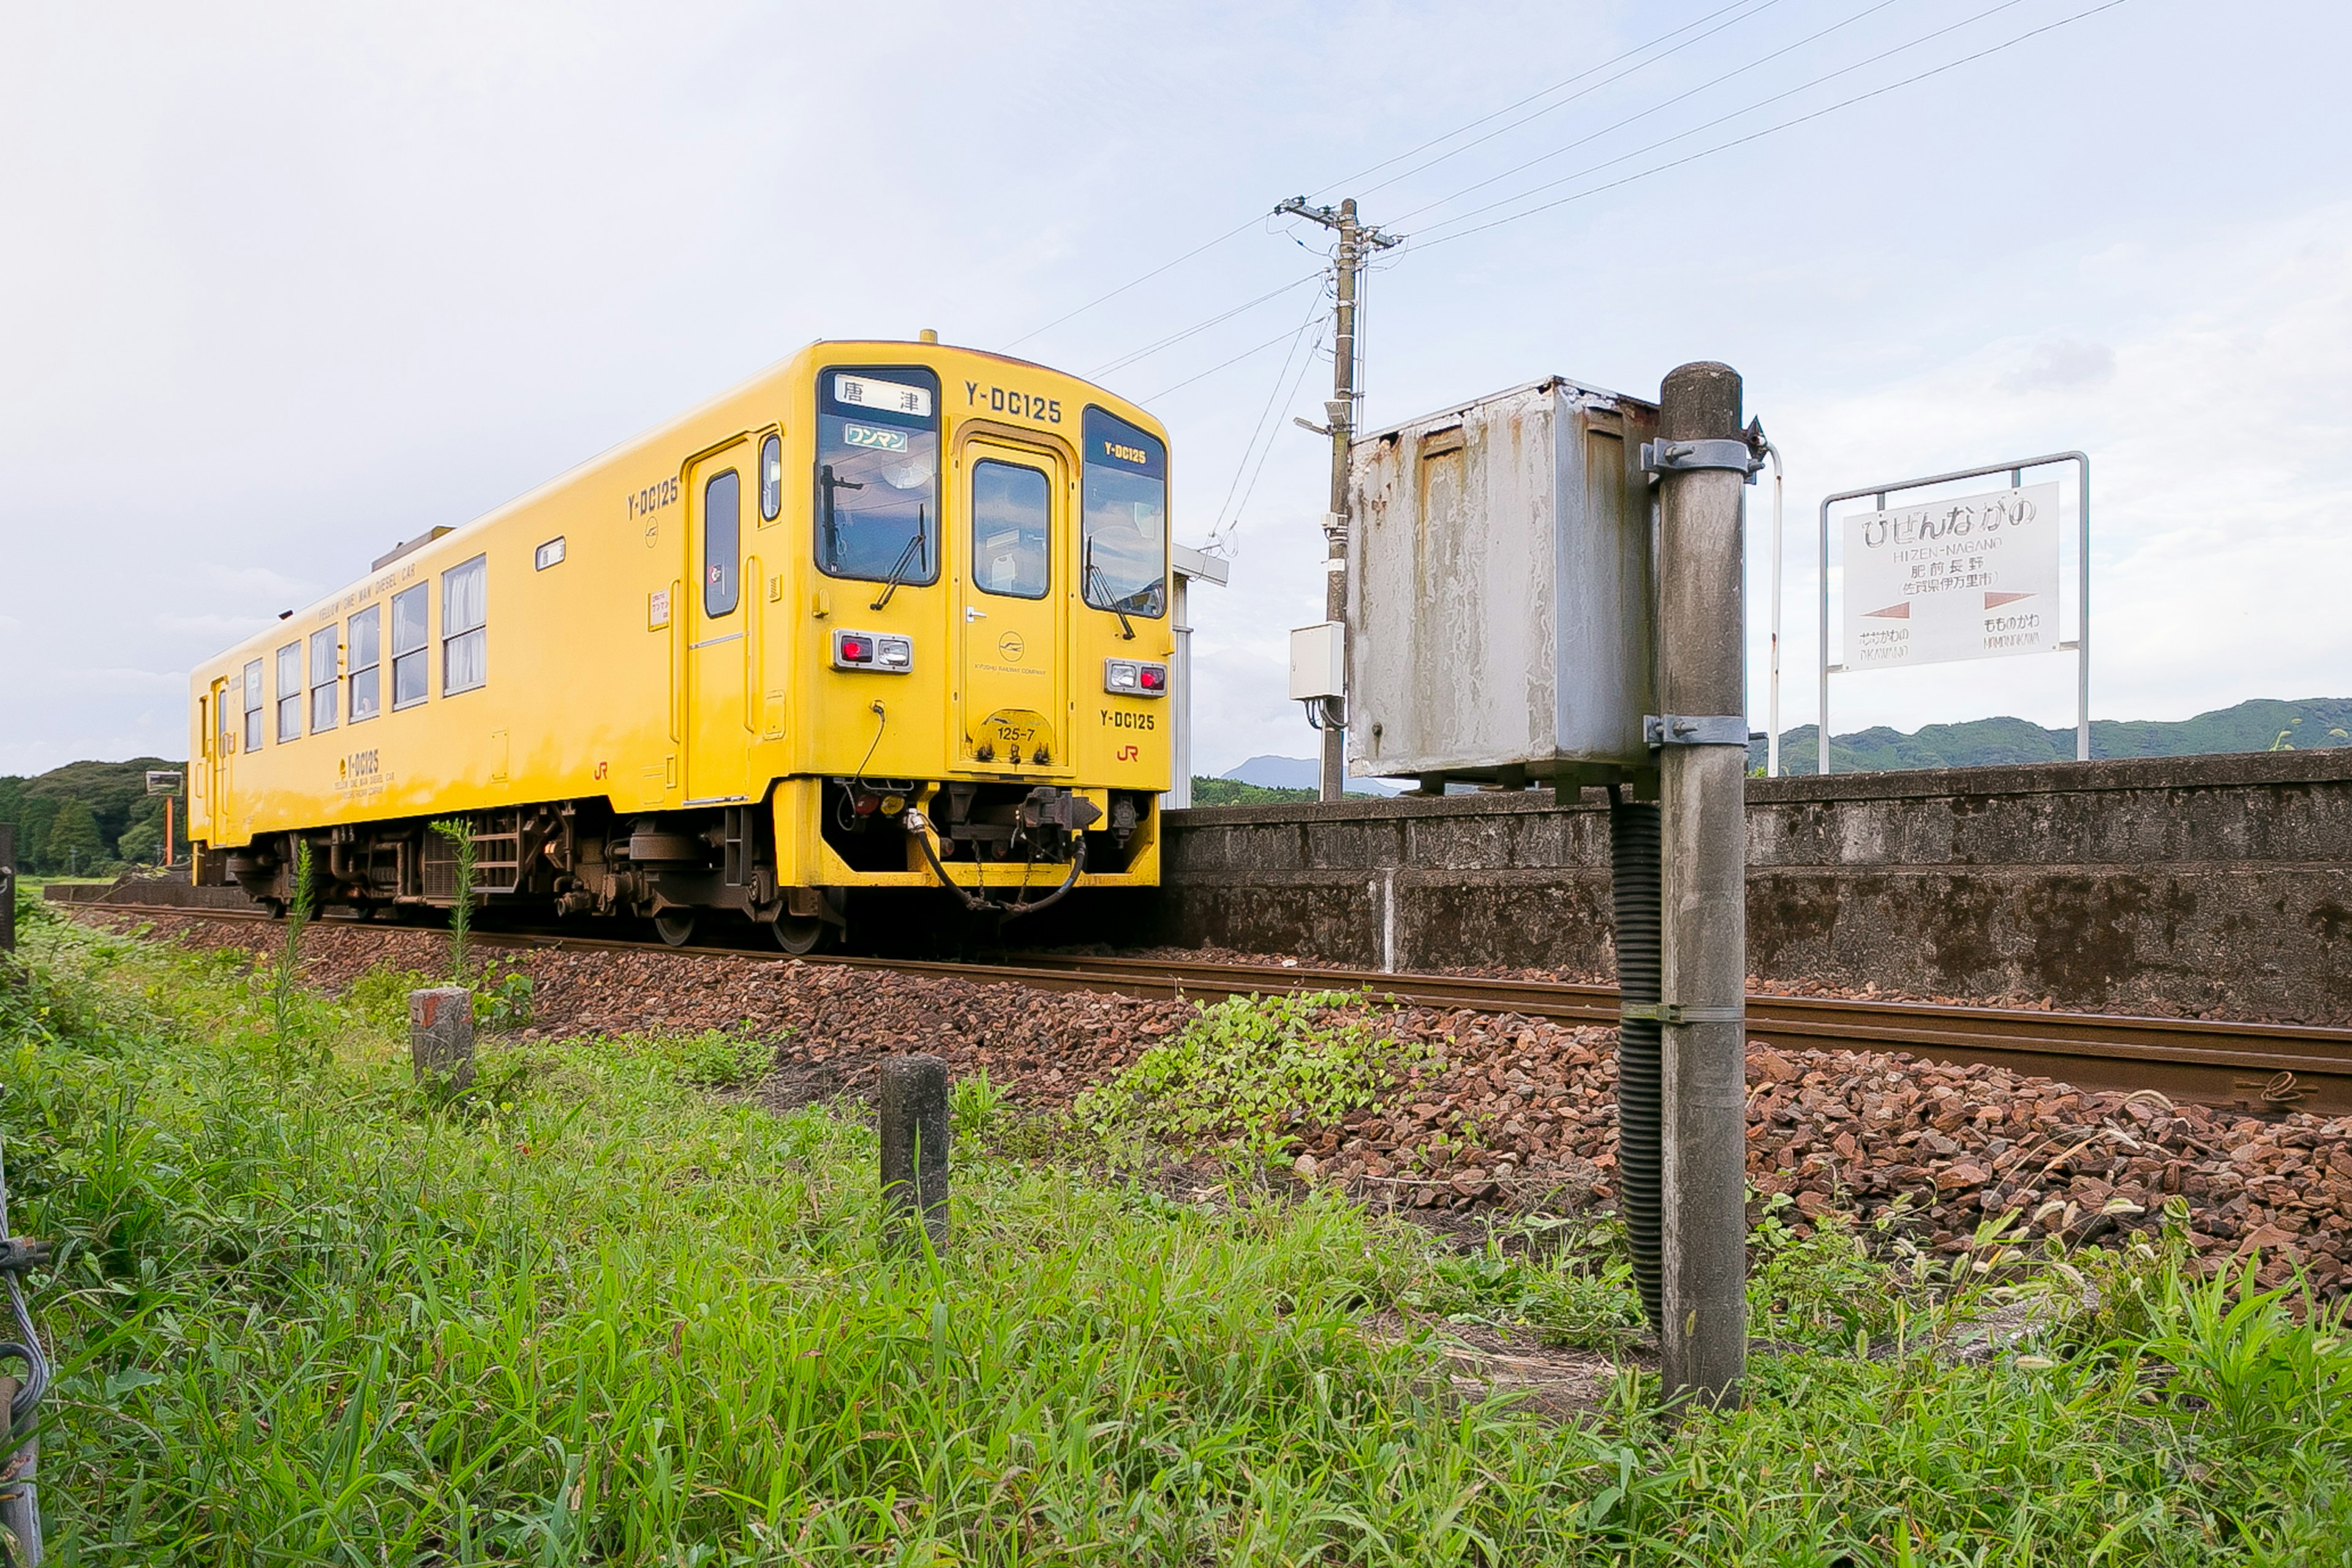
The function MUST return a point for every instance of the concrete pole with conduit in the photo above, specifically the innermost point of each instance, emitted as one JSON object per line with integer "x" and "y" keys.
{"x": 441, "y": 1038}
{"x": 1703, "y": 765}
{"x": 914, "y": 1151}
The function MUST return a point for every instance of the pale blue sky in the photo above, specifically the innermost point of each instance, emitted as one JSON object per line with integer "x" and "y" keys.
{"x": 286, "y": 284}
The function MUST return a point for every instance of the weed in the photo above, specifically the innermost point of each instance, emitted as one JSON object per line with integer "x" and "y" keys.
{"x": 501, "y": 1001}
{"x": 975, "y": 1107}
{"x": 714, "y": 1059}
{"x": 380, "y": 997}
{"x": 461, "y": 835}
{"x": 1822, "y": 1288}
{"x": 1570, "y": 1290}
{"x": 1252, "y": 1070}
{"x": 287, "y": 980}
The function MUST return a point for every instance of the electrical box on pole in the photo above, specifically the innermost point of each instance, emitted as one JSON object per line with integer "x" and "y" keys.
{"x": 1318, "y": 661}
{"x": 1501, "y": 590}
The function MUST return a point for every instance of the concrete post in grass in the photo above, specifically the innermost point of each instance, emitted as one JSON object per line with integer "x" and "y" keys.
{"x": 7, "y": 887}
{"x": 914, "y": 1151}
{"x": 441, "y": 1037}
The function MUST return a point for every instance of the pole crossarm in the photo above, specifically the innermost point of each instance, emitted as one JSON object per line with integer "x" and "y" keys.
{"x": 1342, "y": 218}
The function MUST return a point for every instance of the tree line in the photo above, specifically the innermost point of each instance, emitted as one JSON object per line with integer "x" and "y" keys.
{"x": 89, "y": 818}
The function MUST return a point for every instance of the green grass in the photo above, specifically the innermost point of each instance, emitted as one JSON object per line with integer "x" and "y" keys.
{"x": 598, "y": 1314}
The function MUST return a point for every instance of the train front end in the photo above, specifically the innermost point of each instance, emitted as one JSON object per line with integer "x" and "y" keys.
{"x": 986, "y": 635}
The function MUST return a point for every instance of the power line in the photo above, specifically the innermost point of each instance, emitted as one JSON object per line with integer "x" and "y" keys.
{"x": 1226, "y": 315}
{"x": 1221, "y": 533}
{"x": 1123, "y": 287}
{"x": 1548, "y": 91}
{"x": 1707, "y": 124}
{"x": 1244, "y": 226}
{"x": 1223, "y": 316}
{"x": 1245, "y": 354}
{"x": 1669, "y": 103}
{"x": 1273, "y": 396}
{"x": 1174, "y": 338}
{"x": 1752, "y": 136}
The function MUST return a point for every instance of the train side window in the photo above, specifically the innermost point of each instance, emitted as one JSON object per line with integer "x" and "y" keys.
{"x": 722, "y": 543}
{"x": 290, "y": 692}
{"x": 1010, "y": 508}
{"x": 772, "y": 477}
{"x": 326, "y": 671}
{"x": 367, "y": 663}
{"x": 251, "y": 706}
{"x": 465, "y": 619}
{"x": 410, "y": 675}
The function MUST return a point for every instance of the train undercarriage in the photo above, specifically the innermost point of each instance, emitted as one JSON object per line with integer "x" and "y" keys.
{"x": 681, "y": 869}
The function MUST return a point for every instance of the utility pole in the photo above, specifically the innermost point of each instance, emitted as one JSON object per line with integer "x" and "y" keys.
{"x": 1702, "y": 460}
{"x": 1357, "y": 243}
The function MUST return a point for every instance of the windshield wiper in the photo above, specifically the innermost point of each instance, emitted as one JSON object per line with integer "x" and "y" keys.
{"x": 1096, "y": 579}
{"x": 913, "y": 548}
{"x": 832, "y": 532}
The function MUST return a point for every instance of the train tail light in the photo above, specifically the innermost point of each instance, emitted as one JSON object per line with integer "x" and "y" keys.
{"x": 869, "y": 651}
{"x": 1133, "y": 678}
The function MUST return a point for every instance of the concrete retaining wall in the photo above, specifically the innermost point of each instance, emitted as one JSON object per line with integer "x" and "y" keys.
{"x": 2212, "y": 885}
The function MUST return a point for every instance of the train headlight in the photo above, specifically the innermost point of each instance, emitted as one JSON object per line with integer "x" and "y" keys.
{"x": 1133, "y": 678}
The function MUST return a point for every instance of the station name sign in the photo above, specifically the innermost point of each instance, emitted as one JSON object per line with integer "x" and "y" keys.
{"x": 1965, "y": 577}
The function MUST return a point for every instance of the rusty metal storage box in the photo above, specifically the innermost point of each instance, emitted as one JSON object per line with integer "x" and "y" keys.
{"x": 1500, "y": 601}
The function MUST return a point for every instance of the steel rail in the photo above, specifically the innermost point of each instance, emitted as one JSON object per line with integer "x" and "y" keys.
{"x": 2253, "y": 1066}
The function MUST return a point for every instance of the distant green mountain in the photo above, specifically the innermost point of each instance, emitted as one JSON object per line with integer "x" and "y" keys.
{"x": 86, "y": 816}
{"x": 1236, "y": 791}
{"x": 2262, "y": 724}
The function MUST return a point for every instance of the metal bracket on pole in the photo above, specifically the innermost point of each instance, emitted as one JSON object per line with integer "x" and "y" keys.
{"x": 1686, "y": 456}
{"x": 1677, "y": 1013}
{"x": 1695, "y": 730}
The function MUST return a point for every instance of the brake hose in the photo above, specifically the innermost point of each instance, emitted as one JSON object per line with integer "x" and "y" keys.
{"x": 918, "y": 824}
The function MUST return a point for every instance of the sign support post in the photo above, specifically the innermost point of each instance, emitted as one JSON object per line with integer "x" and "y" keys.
{"x": 167, "y": 783}
{"x": 2081, "y": 644}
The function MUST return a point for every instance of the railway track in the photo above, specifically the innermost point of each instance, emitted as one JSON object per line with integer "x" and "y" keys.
{"x": 2249, "y": 1066}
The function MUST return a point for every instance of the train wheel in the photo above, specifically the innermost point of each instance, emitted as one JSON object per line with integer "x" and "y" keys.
{"x": 675, "y": 926}
{"x": 798, "y": 934}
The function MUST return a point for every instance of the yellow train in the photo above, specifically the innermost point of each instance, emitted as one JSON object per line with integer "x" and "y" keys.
{"x": 888, "y": 616}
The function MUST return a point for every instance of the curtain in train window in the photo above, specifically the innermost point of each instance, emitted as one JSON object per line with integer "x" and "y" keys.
{"x": 464, "y": 620}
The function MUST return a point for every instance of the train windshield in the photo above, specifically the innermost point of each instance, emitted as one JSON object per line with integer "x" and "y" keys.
{"x": 877, "y": 474}
{"x": 1123, "y": 547}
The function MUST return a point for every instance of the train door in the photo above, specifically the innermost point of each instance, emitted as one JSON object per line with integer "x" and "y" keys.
{"x": 1013, "y": 695}
{"x": 718, "y": 736}
{"x": 207, "y": 788}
